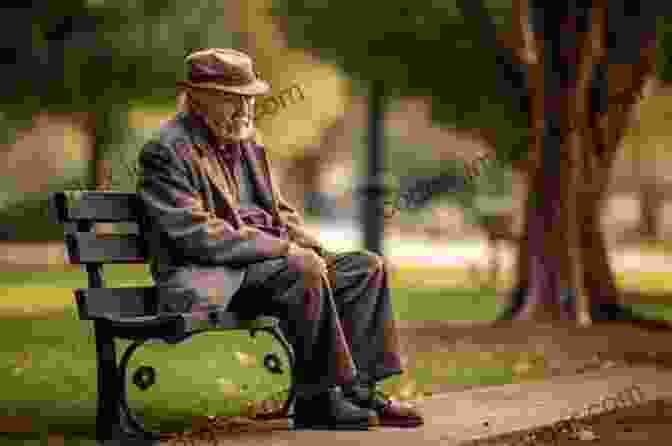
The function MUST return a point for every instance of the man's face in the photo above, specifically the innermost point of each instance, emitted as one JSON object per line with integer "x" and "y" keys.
{"x": 231, "y": 115}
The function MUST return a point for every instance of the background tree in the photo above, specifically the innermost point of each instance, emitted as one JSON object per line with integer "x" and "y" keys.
{"x": 550, "y": 85}
{"x": 93, "y": 60}
{"x": 295, "y": 134}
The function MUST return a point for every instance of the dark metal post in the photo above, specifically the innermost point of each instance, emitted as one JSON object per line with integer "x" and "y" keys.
{"x": 374, "y": 186}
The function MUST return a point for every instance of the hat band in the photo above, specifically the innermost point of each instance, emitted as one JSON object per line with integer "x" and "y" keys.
{"x": 228, "y": 80}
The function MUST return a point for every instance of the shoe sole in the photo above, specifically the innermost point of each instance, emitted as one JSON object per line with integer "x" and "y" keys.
{"x": 364, "y": 426}
{"x": 401, "y": 423}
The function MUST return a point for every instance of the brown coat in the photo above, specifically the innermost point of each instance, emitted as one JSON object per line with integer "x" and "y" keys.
{"x": 198, "y": 244}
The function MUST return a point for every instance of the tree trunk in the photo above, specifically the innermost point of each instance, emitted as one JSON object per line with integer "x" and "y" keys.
{"x": 98, "y": 170}
{"x": 104, "y": 130}
{"x": 552, "y": 245}
{"x": 563, "y": 252}
{"x": 598, "y": 277}
{"x": 542, "y": 246}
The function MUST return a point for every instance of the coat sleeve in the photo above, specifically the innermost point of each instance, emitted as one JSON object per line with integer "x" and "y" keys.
{"x": 294, "y": 221}
{"x": 173, "y": 206}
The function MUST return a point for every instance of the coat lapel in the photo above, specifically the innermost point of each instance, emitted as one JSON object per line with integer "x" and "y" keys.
{"x": 220, "y": 180}
{"x": 260, "y": 177}
{"x": 223, "y": 182}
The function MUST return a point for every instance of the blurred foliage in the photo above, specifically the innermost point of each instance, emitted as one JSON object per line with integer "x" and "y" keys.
{"x": 411, "y": 165}
{"x": 30, "y": 219}
{"x": 100, "y": 59}
{"x": 664, "y": 37}
{"x": 423, "y": 49}
{"x": 83, "y": 56}
{"x": 440, "y": 50}
{"x": 296, "y": 129}
{"x": 123, "y": 159}
{"x": 648, "y": 139}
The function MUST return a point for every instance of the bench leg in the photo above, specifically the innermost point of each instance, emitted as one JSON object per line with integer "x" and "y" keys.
{"x": 112, "y": 427}
{"x": 131, "y": 423}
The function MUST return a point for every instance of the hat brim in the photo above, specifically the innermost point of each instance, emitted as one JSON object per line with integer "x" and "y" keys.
{"x": 256, "y": 88}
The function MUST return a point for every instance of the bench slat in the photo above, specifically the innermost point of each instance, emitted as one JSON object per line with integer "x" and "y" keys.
{"x": 98, "y": 206}
{"x": 89, "y": 247}
{"x": 116, "y": 302}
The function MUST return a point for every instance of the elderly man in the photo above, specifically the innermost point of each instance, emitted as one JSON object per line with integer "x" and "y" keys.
{"x": 221, "y": 232}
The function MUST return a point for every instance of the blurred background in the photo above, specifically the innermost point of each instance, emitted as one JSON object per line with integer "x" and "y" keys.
{"x": 86, "y": 83}
{"x": 318, "y": 143}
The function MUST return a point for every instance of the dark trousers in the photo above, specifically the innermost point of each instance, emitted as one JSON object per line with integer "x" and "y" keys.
{"x": 342, "y": 331}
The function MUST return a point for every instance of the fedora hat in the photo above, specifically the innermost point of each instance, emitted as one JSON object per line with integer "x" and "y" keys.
{"x": 223, "y": 69}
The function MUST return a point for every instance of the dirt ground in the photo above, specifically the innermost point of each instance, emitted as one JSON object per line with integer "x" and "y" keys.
{"x": 590, "y": 364}
{"x": 568, "y": 351}
{"x": 645, "y": 424}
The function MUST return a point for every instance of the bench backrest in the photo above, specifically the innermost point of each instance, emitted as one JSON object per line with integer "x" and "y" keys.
{"x": 81, "y": 212}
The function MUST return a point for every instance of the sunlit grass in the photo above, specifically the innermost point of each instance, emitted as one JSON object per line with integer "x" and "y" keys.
{"x": 50, "y": 375}
{"x": 440, "y": 286}
{"x": 47, "y": 366}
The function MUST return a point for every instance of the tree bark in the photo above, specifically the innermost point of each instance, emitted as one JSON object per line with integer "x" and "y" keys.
{"x": 598, "y": 276}
{"x": 544, "y": 242}
{"x": 104, "y": 129}
{"x": 563, "y": 252}
{"x": 532, "y": 46}
{"x": 552, "y": 245}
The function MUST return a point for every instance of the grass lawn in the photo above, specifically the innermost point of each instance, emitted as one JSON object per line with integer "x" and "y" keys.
{"x": 49, "y": 375}
{"x": 47, "y": 366}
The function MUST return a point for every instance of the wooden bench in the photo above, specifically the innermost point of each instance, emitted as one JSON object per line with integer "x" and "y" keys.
{"x": 133, "y": 313}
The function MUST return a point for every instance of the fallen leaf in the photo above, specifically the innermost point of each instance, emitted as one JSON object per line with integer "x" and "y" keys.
{"x": 228, "y": 388}
{"x": 245, "y": 359}
{"x": 584, "y": 435}
{"x": 200, "y": 423}
{"x": 269, "y": 406}
{"x": 486, "y": 356}
{"x": 407, "y": 390}
{"x": 608, "y": 364}
{"x": 24, "y": 360}
{"x": 521, "y": 367}
{"x": 55, "y": 440}
{"x": 16, "y": 424}
{"x": 249, "y": 409}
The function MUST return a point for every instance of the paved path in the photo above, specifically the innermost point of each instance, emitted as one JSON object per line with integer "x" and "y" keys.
{"x": 457, "y": 417}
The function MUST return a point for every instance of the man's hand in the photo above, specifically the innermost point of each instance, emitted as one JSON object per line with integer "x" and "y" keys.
{"x": 390, "y": 210}
{"x": 474, "y": 166}
{"x": 304, "y": 259}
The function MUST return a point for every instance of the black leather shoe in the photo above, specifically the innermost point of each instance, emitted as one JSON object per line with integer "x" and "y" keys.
{"x": 331, "y": 411}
